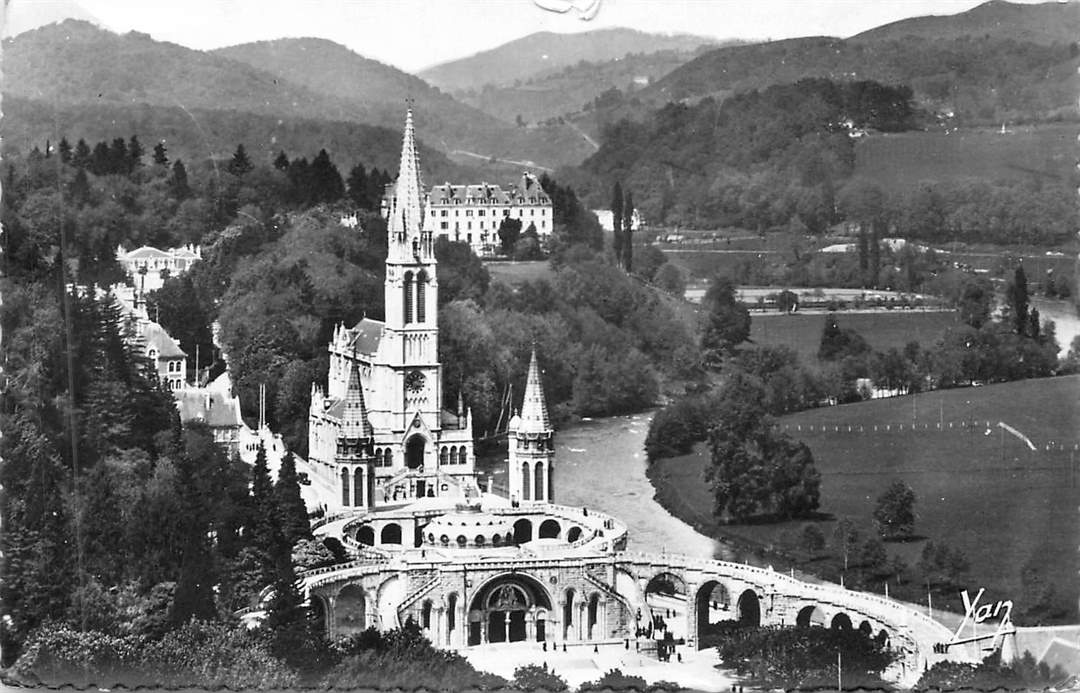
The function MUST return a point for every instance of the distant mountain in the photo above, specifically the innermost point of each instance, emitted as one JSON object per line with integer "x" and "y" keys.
{"x": 984, "y": 79}
{"x": 1046, "y": 23}
{"x": 568, "y": 90}
{"x": 545, "y": 52}
{"x": 24, "y": 15}
{"x": 296, "y": 79}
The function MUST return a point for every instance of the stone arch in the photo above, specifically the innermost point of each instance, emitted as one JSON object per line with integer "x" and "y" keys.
{"x": 350, "y": 610}
{"x": 526, "y": 487}
{"x": 549, "y": 529}
{"x": 882, "y": 638}
{"x": 669, "y": 583}
{"x": 319, "y": 612}
{"x": 523, "y": 530}
{"x": 811, "y": 615}
{"x": 414, "y": 451}
{"x": 366, "y": 535}
{"x": 573, "y": 534}
{"x": 568, "y": 612}
{"x": 444, "y": 456}
{"x": 711, "y": 606}
{"x": 407, "y": 298}
{"x": 749, "y": 608}
{"x": 391, "y": 534}
{"x": 841, "y": 621}
{"x": 358, "y": 486}
{"x": 592, "y": 615}
{"x": 866, "y": 629}
{"x": 538, "y": 481}
{"x": 425, "y": 614}
{"x": 421, "y": 296}
{"x": 503, "y": 605}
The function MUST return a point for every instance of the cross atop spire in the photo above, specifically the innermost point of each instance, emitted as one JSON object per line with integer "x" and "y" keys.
{"x": 534, "y": 411}
{"x": 355, "y": 422}
{"x": 406, "y": 217}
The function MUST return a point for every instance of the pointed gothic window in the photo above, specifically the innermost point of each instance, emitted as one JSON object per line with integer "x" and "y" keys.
{"x": 407, "y": 294}
{"x": 421, "y": 292}
{"x": 525, "y": 485}
{"x": 358, "y": 487}
{"x": 345, "y": 487}
{"x": 538, "y": 493}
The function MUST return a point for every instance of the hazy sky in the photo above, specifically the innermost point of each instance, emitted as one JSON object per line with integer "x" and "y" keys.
{"x": 413, "y": 34}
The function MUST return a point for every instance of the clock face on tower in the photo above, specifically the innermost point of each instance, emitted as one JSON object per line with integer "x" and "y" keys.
{"x": 414, "y": 381}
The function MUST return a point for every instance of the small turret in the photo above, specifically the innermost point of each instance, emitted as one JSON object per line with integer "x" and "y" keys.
{"x": 355, "y": 423}
{"x": 534, "y": 411}
{"x": 531, "y": 444}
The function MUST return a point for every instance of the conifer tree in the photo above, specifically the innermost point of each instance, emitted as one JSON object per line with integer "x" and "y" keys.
{"x": 326, "y": 180}
{"x": 160, "y": 156}
{"x": 135, "y": 153}
{"x": 264, "y": 524}
{"x": 119, "y": 162}
{"x": 64, "y": 148}
{"x": 99, "y": 159}
{"x": 358, "y": 186}
{"x": 180, "y": 187}
{"x": 281, "y": 162}
{"x": 1018, "y": 301}
{"x": 79, "y": 190}
{"x": 240, "y": 163}
{"x": 80, "y": 158}
{"x": 616, "y": 222}
{"x": 628, "y": 231}
{"x": 292, "y": 513}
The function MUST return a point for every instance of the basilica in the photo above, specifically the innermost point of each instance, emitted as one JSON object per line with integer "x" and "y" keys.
{"x": 379, "y": 432}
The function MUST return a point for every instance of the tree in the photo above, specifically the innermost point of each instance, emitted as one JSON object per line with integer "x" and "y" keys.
{"x": 80, "y": 158}
{"x": 64, "y": 148}
{"x": 356, "y": 184}
{"x": 509, "y": 231}
{"x": 670, "y": 278}
{"x": 813, "y": 540}
{"x": 894, "y": 513}
{"x": 135, "y": 153}
{"x": 628, "y": 231}
{"x": 726, "y": 320}
{"x": 532, "y": 677}
{"x": 160, "y": 156}
{"x": 281, "y": 161}
{"x": 846, "y": 536}
{"x": 179, "y": 183}
{"x": 616, "y": 223}
{"x": 239, "y": 164}
{"x": 292, "y": 513}
{"x": 326, "y": 183}
{"x": 976, "y": 295}
{"x": 838, "y": 343}
{"x": 1017, "y": 298}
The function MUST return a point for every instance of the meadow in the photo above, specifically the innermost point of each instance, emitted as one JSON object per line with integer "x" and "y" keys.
{"x": 901, "y": 160}
{"x": 882, "y": 329}
{"x": 512, "y": 273}
{"x": 979, "y": 489}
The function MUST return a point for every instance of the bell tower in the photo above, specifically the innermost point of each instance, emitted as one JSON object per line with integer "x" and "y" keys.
{"x": 531, "y": 441}
{"x": 410, "y": 343}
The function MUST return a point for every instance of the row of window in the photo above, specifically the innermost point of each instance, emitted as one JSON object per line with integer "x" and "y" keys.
{"x": 481, "y": 212}
{"x": 447, "y": 455}
{"x": 490, "y": 201}
{"x": 175, "y": 366}
{"x": 445, "y": 225}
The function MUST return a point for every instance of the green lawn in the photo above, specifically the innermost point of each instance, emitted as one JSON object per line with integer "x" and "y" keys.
{"x": 987, "y": 494}
{"x": 893, "y": 328}
{"x": 517, "y": 272}
{"x": 904, "y": 159}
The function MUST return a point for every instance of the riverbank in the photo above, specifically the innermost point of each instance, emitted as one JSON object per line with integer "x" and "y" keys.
{"x": 1008, "y": 508}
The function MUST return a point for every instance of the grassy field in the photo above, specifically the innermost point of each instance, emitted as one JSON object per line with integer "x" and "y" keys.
{"x": 512, "y": 273}
{"x": 894, "y": 328}
{"x": 903, "y": 159}
{"x": 985, "y": 493}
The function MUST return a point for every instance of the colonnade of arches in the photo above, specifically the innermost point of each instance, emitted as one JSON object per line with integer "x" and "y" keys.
{"x": 413, "y": 297}
{"x": 549, "y": 528}
{"x": 357, "y": 487}
{"x": 536, "y": 481}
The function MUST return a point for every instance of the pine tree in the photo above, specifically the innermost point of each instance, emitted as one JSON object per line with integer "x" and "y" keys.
{"x": 628, "y": 230}
{"x": 65, "y": 150}
{"x": 616, "y": 221}
{"x": 180, "y": 187}
{"x": 281, "y": 162}
{"x": 292, "y": 513}
{"x": 135, "y": 153}
{"x": 160, "y": 156}
{"x": 79, "y": 190}
{"x": 358, "y": 186}
{"x": 265, "y": 528}
{"x": 1018, "y": 301}
{"x": 80, "y": 157}
{"x": 119, "y": 162}
{"x": 240, "y": 164}
{"x": 326, "y": 180}
{"x": 99, "y": 159}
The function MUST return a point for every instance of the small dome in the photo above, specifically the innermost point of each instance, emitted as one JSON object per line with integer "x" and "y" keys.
{"x": 477, "y": 528}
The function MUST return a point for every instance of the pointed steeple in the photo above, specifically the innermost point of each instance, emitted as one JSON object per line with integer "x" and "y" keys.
{"x": 534, "y": 411}
{"x": 355, "y": 422}
{"x": 406, "y": 215}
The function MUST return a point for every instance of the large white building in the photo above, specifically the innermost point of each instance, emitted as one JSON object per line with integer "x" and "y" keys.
{"x": 473, "y": 213}
{"x": 148, "y": 267}
{"x": 378, "y": 433}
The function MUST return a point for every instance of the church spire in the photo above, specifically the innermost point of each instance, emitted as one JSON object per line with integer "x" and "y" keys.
{"x": 534, "y": 411}
{"x": 355, "y": 422}
{"x": 406, "y": 217}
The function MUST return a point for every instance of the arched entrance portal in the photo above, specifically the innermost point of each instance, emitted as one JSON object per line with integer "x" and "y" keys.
{"x": 350, "y": 611}
{"x": 414, "y": 452}
{"x": 666, "y": 597}
{"x": 810, "y": 616}
{"x": 749, "y": 609}
{"x": 510, "y": 608}
{"x": 712, "y": 608}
